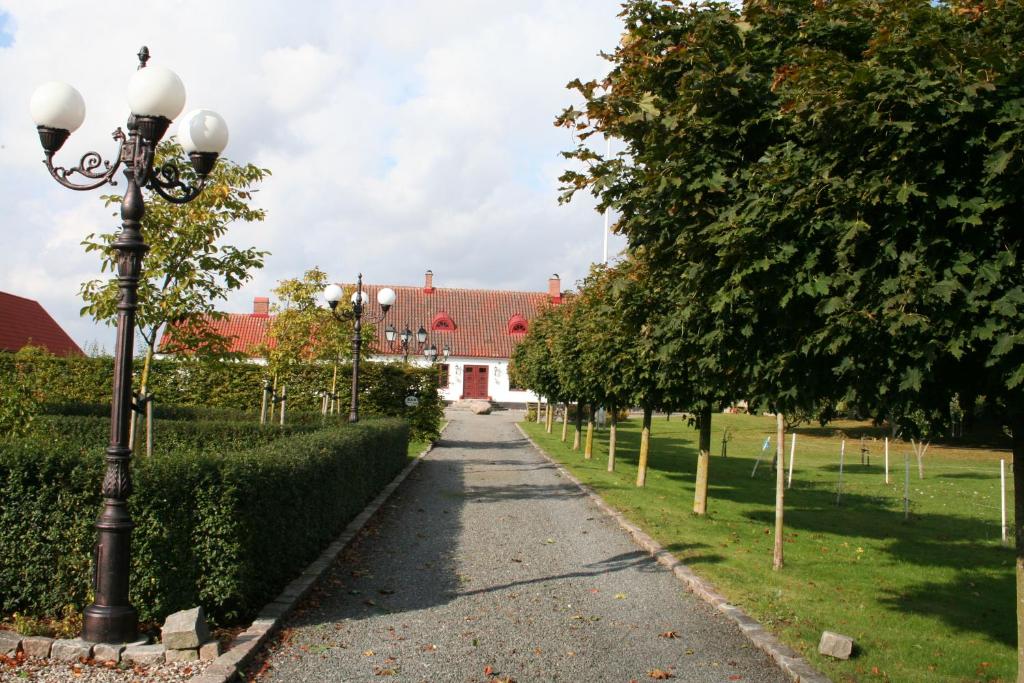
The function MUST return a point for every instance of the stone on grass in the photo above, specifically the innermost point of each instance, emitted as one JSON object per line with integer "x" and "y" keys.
{"x": 70, "y": 650}
{"x": 835, "y": 645}
{"x": 143, "y": 655}
{"x": 37, "y": 647}
{"x": 185, "y": 630}
{"x": 105, "y": 652}
{"x": 191, "y": 655}
{"x": 209, "y": 651}
{"x": 9, "y": 642}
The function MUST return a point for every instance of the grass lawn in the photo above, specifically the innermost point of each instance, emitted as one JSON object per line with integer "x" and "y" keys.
{"x": 926, "y": 599}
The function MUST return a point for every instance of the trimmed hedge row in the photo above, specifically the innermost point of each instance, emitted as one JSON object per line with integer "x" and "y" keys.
{"x": 180, "y": 385}
{"x": 224, "y": 530}
{"x": 169, "y": 435}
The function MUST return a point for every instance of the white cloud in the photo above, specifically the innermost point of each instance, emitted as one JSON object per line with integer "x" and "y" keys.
{"x": 402, "y": 135}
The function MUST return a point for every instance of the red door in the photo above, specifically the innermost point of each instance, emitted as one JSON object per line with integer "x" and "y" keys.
{"x": 474, "y": 381}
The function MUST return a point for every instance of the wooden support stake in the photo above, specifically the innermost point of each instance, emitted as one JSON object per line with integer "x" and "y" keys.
{"x": 886, "y": 460}
{"x": 842, "y": 458}
{"x": 1002, "y": 498}
{"x": 792, "y": 455}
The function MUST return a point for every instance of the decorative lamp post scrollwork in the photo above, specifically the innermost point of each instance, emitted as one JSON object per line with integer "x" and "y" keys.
{"x": 155, "y": 96}
{"x": 386, "y": 299}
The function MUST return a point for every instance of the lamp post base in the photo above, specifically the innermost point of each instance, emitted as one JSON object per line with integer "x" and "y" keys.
{"x": 110, "y": 624}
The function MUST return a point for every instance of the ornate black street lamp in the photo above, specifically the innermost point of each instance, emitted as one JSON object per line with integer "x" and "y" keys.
{"x": 431, "y": 353}
{"x": 155, "y": 96}
{"x": 404, "y": 338}
{"x": 386, "y": 298}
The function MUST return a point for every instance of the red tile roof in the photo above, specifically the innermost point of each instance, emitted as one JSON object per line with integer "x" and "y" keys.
{"x": 246, "y": 331}
{"x": 481, "y": 318}
{"x": 23, "y": 322}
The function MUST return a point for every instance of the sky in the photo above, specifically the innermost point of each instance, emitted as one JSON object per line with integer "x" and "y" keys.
{"x": 402, "y": 135}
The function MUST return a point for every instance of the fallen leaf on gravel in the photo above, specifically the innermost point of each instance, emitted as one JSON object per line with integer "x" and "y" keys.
{"x": 620, "y": 596}
{"x": 488, "y": 670}
{"x": 549, "y": 541}
{"x": 594, "y": 591}
{"x": 659, "y": 675}
{"x": 368, "y": 653}
{"x": 689, "y": 651}
{"x": 382, "y": 671}
{"x": 735, "y": 677}
{"x": 668, "y": 634}
{"x": 429, "y": 647}
{"x": 516, "y": 559}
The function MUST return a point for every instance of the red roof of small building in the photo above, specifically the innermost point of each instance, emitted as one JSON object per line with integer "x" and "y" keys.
{"x": 481, "y": 320}
{"x": 244, "y": 332}
{"x": 24, "y": 322}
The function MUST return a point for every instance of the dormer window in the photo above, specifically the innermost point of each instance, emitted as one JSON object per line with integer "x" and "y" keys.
{"x": 517, "y": 324}
{"x": 442, "y": 322}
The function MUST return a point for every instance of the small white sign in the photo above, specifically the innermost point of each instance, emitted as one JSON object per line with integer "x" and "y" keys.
{"x": 412, "y": 401}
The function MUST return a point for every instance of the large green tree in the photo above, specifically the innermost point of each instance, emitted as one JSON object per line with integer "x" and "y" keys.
{"x": 835, "y": 188}
{"x": 189, "y": 268}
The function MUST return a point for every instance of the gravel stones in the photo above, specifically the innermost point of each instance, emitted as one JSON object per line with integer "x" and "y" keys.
{"x": 487, "y": 560}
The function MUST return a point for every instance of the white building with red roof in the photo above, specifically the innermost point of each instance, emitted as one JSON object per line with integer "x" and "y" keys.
{"x": 479, "y": 328}
{"x": 23, "y": 322}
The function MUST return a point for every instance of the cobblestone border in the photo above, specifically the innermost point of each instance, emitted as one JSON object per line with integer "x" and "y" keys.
{"x": 243, "y": 648}
{"x": 790, "y": 661}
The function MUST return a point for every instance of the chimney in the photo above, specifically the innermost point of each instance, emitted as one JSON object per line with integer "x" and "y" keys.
{"x": 261, "y": 306}
{"x": 428, "y": 283}
{"x": 555, "y": 289}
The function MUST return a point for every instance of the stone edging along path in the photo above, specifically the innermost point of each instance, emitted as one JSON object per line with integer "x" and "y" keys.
{"x": 243, "y": 648}
{"x": 795, "y": 666}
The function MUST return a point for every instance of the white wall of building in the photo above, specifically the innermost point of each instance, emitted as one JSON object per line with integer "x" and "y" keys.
{"x": 497, "y": 378}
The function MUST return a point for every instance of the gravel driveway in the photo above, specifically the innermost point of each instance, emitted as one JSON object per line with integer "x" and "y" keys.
{"x": 486, "y": 565}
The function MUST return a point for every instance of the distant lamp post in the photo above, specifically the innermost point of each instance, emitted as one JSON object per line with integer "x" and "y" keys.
{"x": 431, "y": 353}
{"x": 404, "y": 338}
{"x": 386, "y": 299}
{"x": 155, "y": 97}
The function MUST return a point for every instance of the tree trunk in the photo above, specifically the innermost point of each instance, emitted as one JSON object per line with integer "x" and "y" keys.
{"x": 1017, "y": 427}
{"x": 565, "y": 421}
{"x": 645, "y": 448}
{"x": 550, "y": 418}
{"x": 613, "y": 424}
{"x": 780, "y": 487}
{"x": 579, "y": 426}
{"x": 700, "y": 493}
{"x": 588, "y": 449}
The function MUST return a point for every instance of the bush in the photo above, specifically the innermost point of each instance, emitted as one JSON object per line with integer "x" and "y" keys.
{"x": 82, "y": 386}
{"x": 169, "y": 435}
{"x": 227, "y": 530}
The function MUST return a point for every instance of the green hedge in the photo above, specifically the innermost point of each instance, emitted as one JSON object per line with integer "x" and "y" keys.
{"x": 169, "y": 435}
{"x": 224, "y": 530}
{"x": 66, "y": 383}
